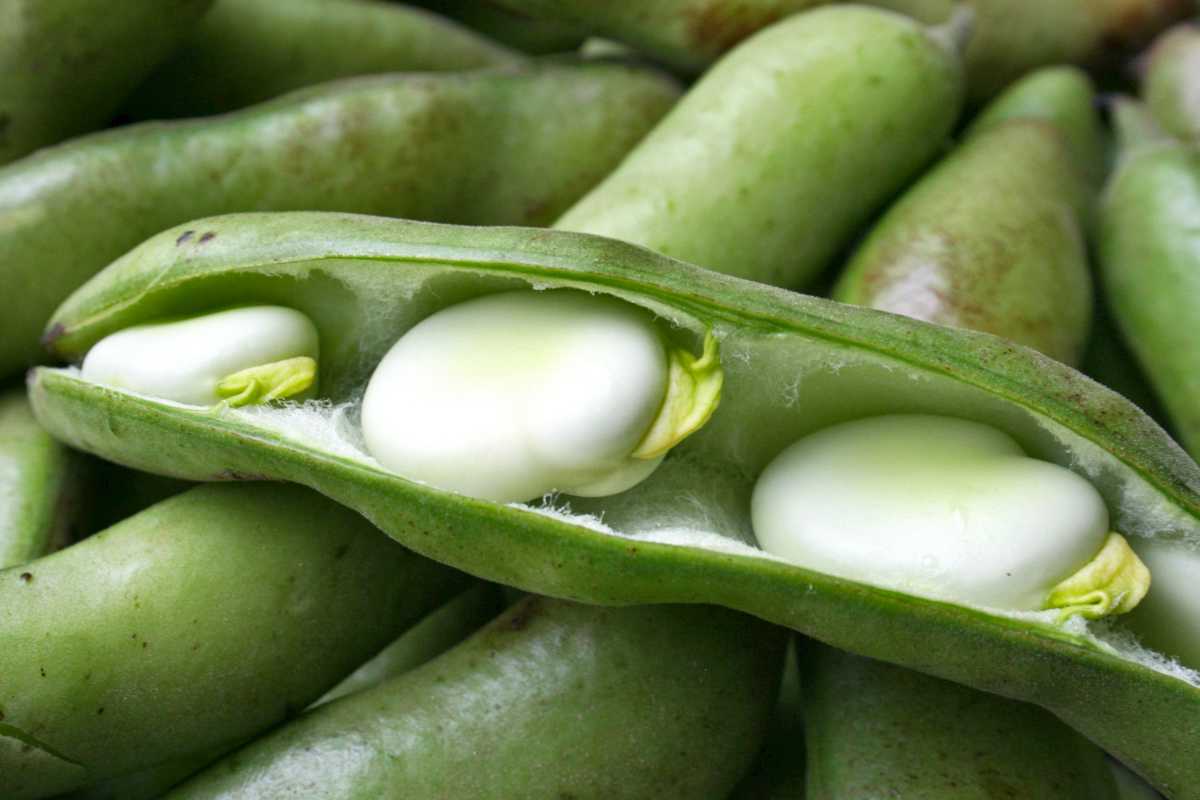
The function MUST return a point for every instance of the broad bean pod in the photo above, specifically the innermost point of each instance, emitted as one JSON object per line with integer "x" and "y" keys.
{"x": 40, "y": 483}
{"x": 875, "y": 730}
{"x": 66, "y": 65}
{"x": 209, "y": 618}
{"x": 1171, "y": 81}
{"x": 660, "y": 701}
{"x": 793, "y": 364}
{"x": 247, "y": 51}
{"x": 689, "y": 34}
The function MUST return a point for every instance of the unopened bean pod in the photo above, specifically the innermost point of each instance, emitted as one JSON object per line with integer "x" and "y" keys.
{"x": 247, "y": 51}
{"x": 186, "y": 629}
{"x": 66, "y": 65}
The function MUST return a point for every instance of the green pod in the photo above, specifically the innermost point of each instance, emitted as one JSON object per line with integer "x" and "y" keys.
{"x": 436, "y": 633}
{"x": 689, "y": 34}
{"x": 1149, "y": 248}
{"x": 1171, "y": 82}
{"x": 772, "y": 161}
{"x": 991, "y": 239}
{"x": 247, "y": 51}
{"x": 529, "y": 35}
{"x": 1064, "y": 97}
{"x": 793, "y": 364}
{"x": 209, "y": 618}
{"x": 504, "y": 146}
{"x": 565, "y": 700}
{"x": 875, "y": 730}
{"x": 40, "y": 485}
{"x": 66, "y": 65}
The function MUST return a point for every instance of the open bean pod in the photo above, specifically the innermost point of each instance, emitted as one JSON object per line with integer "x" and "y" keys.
{"x": 792, "y": 365}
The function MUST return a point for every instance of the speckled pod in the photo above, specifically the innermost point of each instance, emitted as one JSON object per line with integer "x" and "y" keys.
{"x": 551, "y": 700}
{"x": 1150, "y": 253}
{"x": 190, "y": 627}
{"x": 793, "y": 364}
{"x": 1171, "y": 84}
{"x": 992, "y": 239}
{"x": 772, "y": 161}
{"x": 66, "y": 65}
{"x": 875, "y": 730}
{"x": 689, "y": 34}
{"x": 246, "y": 51}
{"x": 39, "y": 485}
{"x": 504, "y": 146}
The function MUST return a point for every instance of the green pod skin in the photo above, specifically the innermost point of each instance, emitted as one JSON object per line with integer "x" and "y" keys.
{"x": 529, "y": 35}
{"x": 566, "y": 700}
{"x": 438, "y": 632}
{"x": 247, "y": 51}
{"x": 792, "y": 365}
{"x": 772, "y": 161}
{"x": 209, "y": 618}
{"x": 991, "y": 239}
{"x": 875, "y": 730}
{"x": 1171, "y": 82}
{"x": 1063, "y": 96}
{"x": 40, "y": 483}
{"x": 1149, "y": 248}
{"x": 503, "y": 146}
{"x": 690, "y": 34}
{"x": 66, "y": 65}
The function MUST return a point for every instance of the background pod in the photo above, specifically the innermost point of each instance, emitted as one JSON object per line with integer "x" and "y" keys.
{"x": 1171, "y": 81}
{"x": 875, "y": 730}
{"x": 66, "y": 65}
{"x": 991, "y": 239}
{"x": 209, "y": 618}
{"x": 641, "y": 702}
{"x": 503, "y": 146}
{"x": 40, "y": 484}
{"x": 1149, "y": 247}
{"x": 689, "y": 34}
{"x": 792, "y": 363}
{"x": 247, "y": 51}
{"x": 772, "y": 160}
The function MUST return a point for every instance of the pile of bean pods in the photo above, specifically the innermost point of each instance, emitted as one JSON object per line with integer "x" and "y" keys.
{"x": 600, "y": 399}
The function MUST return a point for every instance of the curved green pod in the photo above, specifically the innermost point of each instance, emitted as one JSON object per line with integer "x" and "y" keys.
{"x": 771, "y": 162}
{"x": 39, "y": 485}
{"x": 793, "y": 364}
{"x": 436, "y": 633}
{"x": 875, "y": 730}
{"x": 247, "y": 51}
{"x": 566, "y": 701}
{"x": 1171, "y": 82}
{"x": 1149, "y": 247}
{"x": 689, "y": 34}
{"x": 501, "y": 146}
{"x": 1063, "y": 96}
{"x": 991, "y": 239}
{"x": 66, "y": 65}
{"x": 209, "y": 617}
